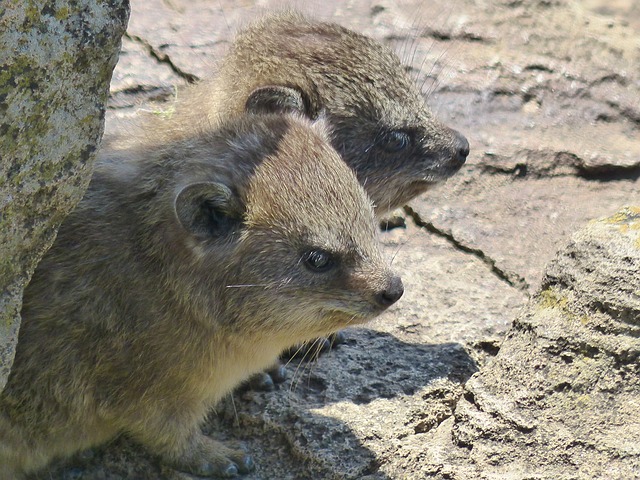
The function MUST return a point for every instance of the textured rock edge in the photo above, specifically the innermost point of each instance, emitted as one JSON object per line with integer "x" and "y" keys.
{"x": 562, "y": 397}
{"x": 56, "y": 62}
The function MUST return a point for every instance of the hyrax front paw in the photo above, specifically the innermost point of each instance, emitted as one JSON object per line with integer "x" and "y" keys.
{"x": 208, "y": 458}
{"x": 307, "y": 352}
{"x": 266, "y": 381}
{"x": 311, "y": 350}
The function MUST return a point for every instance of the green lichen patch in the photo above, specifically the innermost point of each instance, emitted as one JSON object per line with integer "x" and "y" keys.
{"x": 550, "y": 298}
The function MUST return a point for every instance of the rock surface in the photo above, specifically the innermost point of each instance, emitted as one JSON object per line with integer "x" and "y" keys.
{"x": 548, "y": 93}
{"x": 56, "y": 61}
{"x": 561, "y": 400}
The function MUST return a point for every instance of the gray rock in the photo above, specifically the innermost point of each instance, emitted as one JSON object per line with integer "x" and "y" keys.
{"x": 561, "y": 400}
{"x": 56, "y": 60}
{"x": 517, "y": 223}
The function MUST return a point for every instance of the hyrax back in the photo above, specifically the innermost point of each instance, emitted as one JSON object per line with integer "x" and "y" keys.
{"x": 380, "y": 125}
{"x": 188, "y": 266}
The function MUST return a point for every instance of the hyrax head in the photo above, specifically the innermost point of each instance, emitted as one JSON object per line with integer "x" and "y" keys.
{"x": 380, "y": 125}
{"x": 280, "y": 234}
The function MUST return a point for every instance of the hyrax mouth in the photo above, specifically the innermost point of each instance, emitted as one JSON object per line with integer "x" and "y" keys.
{"x": 361, "y": 312}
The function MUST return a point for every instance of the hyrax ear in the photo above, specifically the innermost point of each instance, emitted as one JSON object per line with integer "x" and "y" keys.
{"x": 207, "y": 209}
{"x": 276, "y": 99}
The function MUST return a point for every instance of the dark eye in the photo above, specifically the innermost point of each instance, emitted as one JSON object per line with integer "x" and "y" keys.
{"x": 394, "y": 141}
{"x": 318, "y": 260}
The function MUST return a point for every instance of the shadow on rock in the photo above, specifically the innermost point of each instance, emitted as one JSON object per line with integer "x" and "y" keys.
{"x": 342, "y": 414}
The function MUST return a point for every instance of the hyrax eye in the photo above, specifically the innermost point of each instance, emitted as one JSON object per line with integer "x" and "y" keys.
{"x": 318, "y": 260}
{"x": 394, "y": 141}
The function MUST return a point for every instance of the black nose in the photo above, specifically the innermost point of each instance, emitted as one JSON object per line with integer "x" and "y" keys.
{"x": 461, "y": 146}
{"x": 391, "y": 294}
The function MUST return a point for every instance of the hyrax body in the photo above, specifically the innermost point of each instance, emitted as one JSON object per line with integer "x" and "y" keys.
{"x": 380, "y": 125}
{"x": 189, "y": 265}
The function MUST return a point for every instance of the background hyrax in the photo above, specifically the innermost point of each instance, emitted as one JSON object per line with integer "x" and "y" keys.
{"x": 188, "y": 266}
{"x": 380, "y": 125}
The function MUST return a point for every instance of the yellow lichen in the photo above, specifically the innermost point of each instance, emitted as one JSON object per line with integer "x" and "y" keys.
{"x": 62, "y": 13}
{"x": 627, "y": 219}
{"x": 549, "y": 299}
{"x": 584, "y": 400}
{"x": 628, "y": 215}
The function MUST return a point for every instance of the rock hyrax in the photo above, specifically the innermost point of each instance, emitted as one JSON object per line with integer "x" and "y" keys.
{"x": 381, "y": 126}
{"x": 187, "y": 267}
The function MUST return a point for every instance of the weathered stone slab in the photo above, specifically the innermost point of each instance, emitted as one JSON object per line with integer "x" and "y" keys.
{"x": 139, "y": 78}
{"x": 56, "y": 61}
{"x": 561, "y": 400}
{"x": 515, "y": 221}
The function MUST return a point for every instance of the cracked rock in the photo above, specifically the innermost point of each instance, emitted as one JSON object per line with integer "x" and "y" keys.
{"x": 518, "y": 222}
{"x": 542, "y": 163}
{"x": 561, "y": 400}
{"x": 56, "y": 61}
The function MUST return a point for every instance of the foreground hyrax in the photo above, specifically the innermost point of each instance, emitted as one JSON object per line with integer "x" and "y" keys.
{"x": 187, "y": 267}
{"x": 380, "y": 125}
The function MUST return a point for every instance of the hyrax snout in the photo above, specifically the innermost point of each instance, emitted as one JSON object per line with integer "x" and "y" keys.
{"x": 192, "y": 262}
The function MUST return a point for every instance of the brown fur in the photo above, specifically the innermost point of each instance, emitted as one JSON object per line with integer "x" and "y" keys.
{"x": 287, "y": 62}
{"x": 180, "y": 274}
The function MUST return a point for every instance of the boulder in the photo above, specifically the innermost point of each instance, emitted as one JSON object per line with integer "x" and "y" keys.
{"x": 56, "y": 60}
{"x": 561, "y": 400}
